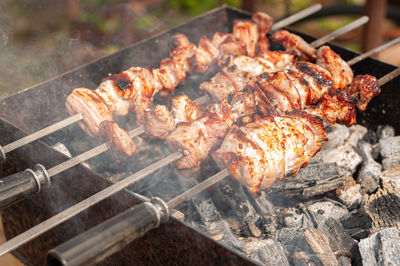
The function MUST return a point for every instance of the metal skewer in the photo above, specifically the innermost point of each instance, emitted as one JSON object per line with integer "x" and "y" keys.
{"x": 28, "y": 182}
{"x": 352, "y": 25}
{"x": 78, "y": 117}
{"x": 83, "y": 205}
{"x": 59, "y": 218}
{"x": 361, "y": 57}
{"x": 117, "y": 232}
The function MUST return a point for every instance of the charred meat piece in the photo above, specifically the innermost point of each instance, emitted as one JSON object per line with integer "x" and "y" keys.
{"x": 293, "y": 42}
{"x": 92, "y": 107}
{"x": 247, "y": 32}
{"x": 259, "y": 153}
{"x": 158, "y": 122}
{"x": 336, "y": 106}
{"x": 184, "y": 109}
{"x": 204, "y": 56}
{"x": 117, "y": 139}
{"x": 198, "y": 137}
{"x": 364, "y": 88}
{"x": 264, "y": 23}
{"x": 341, "y": 72}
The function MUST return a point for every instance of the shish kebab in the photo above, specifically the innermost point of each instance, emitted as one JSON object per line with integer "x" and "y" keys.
{"x": 78, "y": 117}
{"x": 83, "y": 205}
{"x": 30, "y": 181}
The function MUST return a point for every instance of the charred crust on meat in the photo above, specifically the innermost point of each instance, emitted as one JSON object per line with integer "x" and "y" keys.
{"x": 121, "y": 81}
{"x": 318, "y": 77}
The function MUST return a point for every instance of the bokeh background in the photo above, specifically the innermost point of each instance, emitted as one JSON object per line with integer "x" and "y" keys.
{"x": 40, "y": 39}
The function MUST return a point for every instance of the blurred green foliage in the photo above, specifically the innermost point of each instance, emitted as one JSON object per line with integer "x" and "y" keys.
{"x": 196, "y": 7}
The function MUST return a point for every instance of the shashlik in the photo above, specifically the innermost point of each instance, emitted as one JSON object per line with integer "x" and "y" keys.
{"x": 135, "y": 88}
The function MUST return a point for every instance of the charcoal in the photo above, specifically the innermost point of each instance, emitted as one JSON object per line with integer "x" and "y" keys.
{"x": 294, "y": 218}
{"x": 315, "y": 179}
{"x": 232, "y": 201}
{"x": 357, "y": 132}
{"x": 325, "y": 208}
{"x": 349, "y": 193}
{"x": 344, "y": 156}
{"x": 370, "y": 170}
{"x": 390, "y": 151}
{"x": 268, "y": 252}
{"x": 391, "y": 176}
{"x": 214, "y": 225}
{"x": 384, "y": 207}
{"x": 337, "y": 135}
{"x": 381, "y": 248}
{"x": 317, "y": 248}
{"x": 344, "y": 246}
{"x": 357, "y": 223}
{"x": 386, "y": 131}
{"x": 263, "y": 204}
{"x": 289, "y": 239}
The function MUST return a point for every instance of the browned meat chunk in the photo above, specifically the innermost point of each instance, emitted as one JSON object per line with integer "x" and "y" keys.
{"x": 295, "y": 43}
{"x": 364, "y": 88}
{"x": 341, "y": 72}
{"x": 158, "y": 122}
{"x": 91, "y": 106}
{"x": 247, "y": 32}
{"x": 199, "y": 137}
{"x": 117, "y": 139}
{"x": 184, "y": 109}
{"x": 259, "y": 153}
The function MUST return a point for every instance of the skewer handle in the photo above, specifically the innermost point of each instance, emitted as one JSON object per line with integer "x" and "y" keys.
{"x": 105, "y": 239}
{"x": 23, "y": 184}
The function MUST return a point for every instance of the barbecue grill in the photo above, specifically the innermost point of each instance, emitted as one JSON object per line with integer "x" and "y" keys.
{"x": 175, "y": 240}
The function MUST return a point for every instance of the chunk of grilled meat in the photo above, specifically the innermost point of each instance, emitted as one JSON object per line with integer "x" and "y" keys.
{"x": 198, "y": 137}
{"x": 238, "y": 71}
{"x": 341, "y": 72}
{"x": 120, "y": 144}
{"x": 92, "y": 107}
{"x": 184, "y": 109}
{"x": 336, "y": 106}
{"x": 293, "y": 42}
{"x": 158, "y": 122}
{"x": 302, "y": 84}
{"x": 264, "y": 23}
{"x": 364, "y": 88}
{"x": 259, "y": 153}
{"x": 247, "y": 32}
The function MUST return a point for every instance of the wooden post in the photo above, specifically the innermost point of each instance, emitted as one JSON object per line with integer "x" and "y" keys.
{"x": 373, "y": 31}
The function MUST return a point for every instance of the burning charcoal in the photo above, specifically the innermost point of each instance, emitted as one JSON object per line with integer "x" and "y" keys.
{"x": 322, "y": 210}
{"x": 349, "y": 193}
{"x": 232, "y": 201}
{"x": 390, "y": 150}
{"x": 313, "y": 180}
{"x": 263, "y": 204}
{"x": 381, "y": 248}
{"x": 317, "y": 248}
{"x": 268, "y": 252}
{"x": 357, "y": 132}
{"x": 391, "y": 175}
{"x": 370, "y": 170}
{"x": 294, "y": 218}
{"x": 337, "y": 135}
{"x": 384, "y": 207}
{"x": 385, "y": 131}
{"x": 289, "y": 238}
{"x": 215, "y": 226}
{"x": 340, "y": 241}
{"x": 343, "y": 156}
{"x": 357, "y": 223}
